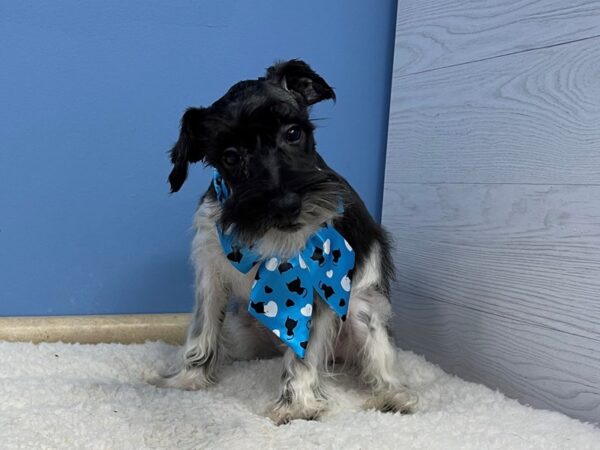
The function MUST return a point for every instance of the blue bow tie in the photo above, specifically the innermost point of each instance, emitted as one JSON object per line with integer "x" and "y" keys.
{"x": 281, "y": 297}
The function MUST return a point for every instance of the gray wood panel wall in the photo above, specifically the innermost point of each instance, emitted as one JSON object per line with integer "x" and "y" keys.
{"x": 492, "y": 194}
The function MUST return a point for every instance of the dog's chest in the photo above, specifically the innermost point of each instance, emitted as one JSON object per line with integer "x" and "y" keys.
{"x": 207, "y": 250}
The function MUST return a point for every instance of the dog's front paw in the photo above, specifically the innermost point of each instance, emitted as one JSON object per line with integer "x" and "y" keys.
{"x": 282, "y": 413}
{"x": 188, "y": 379}
{"x": 399, "y": 400}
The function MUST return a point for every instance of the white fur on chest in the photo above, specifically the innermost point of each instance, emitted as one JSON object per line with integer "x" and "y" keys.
{"x": 207, "y": 250}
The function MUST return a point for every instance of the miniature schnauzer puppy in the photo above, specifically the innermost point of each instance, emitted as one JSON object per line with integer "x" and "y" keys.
{"x": 260, "y": 139}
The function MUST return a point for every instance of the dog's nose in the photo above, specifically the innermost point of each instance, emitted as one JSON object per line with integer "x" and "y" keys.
{"x": 287, "y": 206}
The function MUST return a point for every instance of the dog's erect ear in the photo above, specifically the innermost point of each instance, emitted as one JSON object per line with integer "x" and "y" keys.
{"x": 188, "y": 148}
{"x": 295, "y": 75}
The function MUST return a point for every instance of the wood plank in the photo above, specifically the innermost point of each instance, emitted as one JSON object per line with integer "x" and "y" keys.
{"x": 536, "y": 365}
{"x": 531, "y": 253}
{"x": 500, "y": 284}
{"x": 438, "y": 33}
{"x": 527, "y": 118}
{"x": 94, "y": 329}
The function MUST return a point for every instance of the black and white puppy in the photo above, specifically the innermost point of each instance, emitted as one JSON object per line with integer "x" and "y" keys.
{"x": 260, "y": 138}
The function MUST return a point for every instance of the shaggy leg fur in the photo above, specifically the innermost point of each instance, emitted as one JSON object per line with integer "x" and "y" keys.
{"x": 203, "y": 349}
{"x": 303, "y": 394}
{"x": 376, "y": 358}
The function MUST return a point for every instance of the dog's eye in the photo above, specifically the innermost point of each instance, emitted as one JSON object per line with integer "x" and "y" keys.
{"x": 293, "y": 134}
{"x": 230, "y": 157}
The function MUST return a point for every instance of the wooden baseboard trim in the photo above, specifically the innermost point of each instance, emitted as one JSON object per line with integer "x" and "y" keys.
{"x": 125, "y": 329}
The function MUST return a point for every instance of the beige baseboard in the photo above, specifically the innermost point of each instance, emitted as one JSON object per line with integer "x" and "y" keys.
{"x": 125, "y": 329}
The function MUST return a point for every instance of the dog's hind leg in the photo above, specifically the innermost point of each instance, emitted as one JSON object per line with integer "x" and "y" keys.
{"x": 376, "y": 356}
{"x": 303, "y": 394}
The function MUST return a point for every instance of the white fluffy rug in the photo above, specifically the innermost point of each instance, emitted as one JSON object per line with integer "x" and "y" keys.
{"x": 81, "y": 396}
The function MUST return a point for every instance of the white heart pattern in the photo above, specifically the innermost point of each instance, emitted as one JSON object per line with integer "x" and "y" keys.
{"x": 301, "y": 261}
{"x": 271, "y": 309}
{"x": 348, "y": 246}
{"x": 327, "y": 247}
{"x": 277, "y": 333}
{"x": 307, "y": 310}
{"x": 272, "y": 264}
{"x": 329, "y": 273}
{"x": 346, "y": 283}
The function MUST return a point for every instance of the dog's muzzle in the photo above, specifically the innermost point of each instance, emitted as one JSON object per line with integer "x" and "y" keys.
{"x": 285, "y": 210}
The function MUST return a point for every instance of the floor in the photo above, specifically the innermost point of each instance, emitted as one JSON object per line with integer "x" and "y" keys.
{"x": 96, "y": 396}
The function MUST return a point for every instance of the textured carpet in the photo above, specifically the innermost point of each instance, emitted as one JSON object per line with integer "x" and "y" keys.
{"x": 84, "y": 396}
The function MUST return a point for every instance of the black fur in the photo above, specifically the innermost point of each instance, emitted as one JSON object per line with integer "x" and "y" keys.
{"x": 275, "y": 182}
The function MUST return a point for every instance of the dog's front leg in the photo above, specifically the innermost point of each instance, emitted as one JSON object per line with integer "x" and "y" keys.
{"x": 303, "y": 394}
{"x": 203, "y": 349}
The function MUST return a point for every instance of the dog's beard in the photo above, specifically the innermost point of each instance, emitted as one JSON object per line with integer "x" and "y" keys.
{"x": 247, "y": 210}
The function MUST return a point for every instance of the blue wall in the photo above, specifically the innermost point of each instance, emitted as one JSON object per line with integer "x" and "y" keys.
{"x": 91, "y": 94}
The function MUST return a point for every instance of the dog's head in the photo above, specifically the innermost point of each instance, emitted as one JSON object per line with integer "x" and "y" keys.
{"x": 259, "y": 137}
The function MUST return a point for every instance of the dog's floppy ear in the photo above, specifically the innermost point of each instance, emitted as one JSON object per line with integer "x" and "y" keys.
{"x": 188, "y": 148}
{"x": 295, "y": 75}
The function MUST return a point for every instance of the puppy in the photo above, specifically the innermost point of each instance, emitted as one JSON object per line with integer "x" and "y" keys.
{"x": 280, "y": 192}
